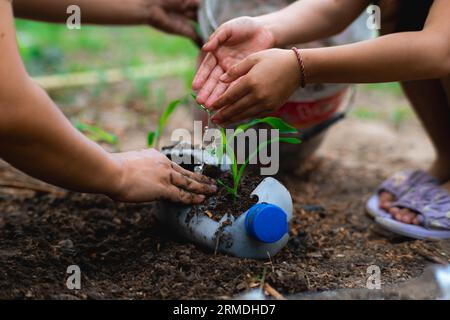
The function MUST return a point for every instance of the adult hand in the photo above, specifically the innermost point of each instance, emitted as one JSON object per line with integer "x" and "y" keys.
{"x": 231, "y": 43}
{"x": 260, "y": 84}
{"x": 148, "y": 176}
{"x": 174, "y": 16}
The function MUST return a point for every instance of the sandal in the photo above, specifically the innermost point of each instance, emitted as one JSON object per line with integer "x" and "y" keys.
{"x": 432, "y": 204}
{"x": 398, "y": 185}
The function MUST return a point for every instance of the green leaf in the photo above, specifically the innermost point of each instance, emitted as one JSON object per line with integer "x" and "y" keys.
{"x": 260, "y": 147}
{"x": 97, "y": 134}
{"x": 151, "y": 138}
{"x": 237, "y": 172}
{"x": 167, "y": 113}
{"x": 290, "y": 140}
{"x": 275, "y": 123}
{"x": 229, "y": 190}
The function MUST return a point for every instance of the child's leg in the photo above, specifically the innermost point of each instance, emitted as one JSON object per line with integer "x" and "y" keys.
{"x": 446, "y": 85}
{"x": 431, "y": 101}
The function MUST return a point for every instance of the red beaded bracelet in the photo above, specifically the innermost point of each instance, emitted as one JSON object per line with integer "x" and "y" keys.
{"x": 302, "y": 67}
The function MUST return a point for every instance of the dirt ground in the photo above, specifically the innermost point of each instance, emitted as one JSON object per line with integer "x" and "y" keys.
{"x": 123, "y": 253}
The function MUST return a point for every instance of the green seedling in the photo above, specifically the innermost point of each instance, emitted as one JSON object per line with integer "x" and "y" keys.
{"x": 154, "y": 136}
{"x": 226, "y": 146}
{"x": 97, "y": 134}
{"x": 238, "y": 171}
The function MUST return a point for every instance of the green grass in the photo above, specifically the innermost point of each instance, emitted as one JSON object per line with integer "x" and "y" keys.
{"x": 396, "y": 117}
{"x": 50, "y": 48}
{"x": 365, "y": 113}
{"x": 389, "y": 87}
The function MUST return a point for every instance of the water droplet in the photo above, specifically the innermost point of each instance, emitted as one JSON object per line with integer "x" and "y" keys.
{"x": 198, "y": 169}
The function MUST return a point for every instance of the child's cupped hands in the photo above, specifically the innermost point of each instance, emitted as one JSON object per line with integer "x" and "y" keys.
{"x": 232, "y": 42}
{"x": 257, "y": 86}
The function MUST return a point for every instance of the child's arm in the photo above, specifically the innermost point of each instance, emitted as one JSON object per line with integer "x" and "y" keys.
{"x": 310, "y": 20}
{"x": 36, "y": 138}
{"x": 301, "y": 22}
{"x": 172, "y": 16}
{"x": 267, "y": 79}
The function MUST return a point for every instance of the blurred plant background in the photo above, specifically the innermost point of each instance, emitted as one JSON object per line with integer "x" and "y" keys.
{"x": 49, "y": 48}
{"x": 133, "y": 105}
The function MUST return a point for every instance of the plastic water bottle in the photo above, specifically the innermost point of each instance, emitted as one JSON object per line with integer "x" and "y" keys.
{"x": 442, "y": 278}
{"x": 259, "y": 233}
{"x": 262, "y": 231}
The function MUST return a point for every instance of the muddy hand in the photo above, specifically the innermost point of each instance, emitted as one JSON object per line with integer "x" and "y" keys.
{"x": 148, "y": 175}
{"x": 174, "y": 16}
{"x": 231, "y": 43}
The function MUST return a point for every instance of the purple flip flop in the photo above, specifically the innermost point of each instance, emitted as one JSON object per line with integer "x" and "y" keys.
{"x": 432, "y": 204}
{"x": 398, "y": 185}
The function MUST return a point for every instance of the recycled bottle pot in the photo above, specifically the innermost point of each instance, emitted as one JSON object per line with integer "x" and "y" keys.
{"x": 258, "y": 233}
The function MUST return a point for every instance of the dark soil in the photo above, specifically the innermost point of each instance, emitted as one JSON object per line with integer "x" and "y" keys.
{"x": 222, "y": 203}
{"x": 123, "y": 253}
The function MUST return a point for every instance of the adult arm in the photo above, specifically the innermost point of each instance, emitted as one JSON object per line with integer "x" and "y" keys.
{"x": 173, "y": 16}
{"x": 36, "y": 138}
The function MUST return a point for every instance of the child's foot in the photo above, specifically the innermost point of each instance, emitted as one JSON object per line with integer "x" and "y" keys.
{"x": 399, "y": 184}
{"x": 409, "y": 216}
{"x": 439, "y": 170}
{"x": 386, "y": 200}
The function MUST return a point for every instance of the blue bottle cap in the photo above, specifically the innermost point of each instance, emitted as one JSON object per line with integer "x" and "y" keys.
{"x": 266, "y": 222}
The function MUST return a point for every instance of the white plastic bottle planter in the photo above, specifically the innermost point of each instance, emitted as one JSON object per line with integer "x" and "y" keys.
{"x": 256, "y": 234}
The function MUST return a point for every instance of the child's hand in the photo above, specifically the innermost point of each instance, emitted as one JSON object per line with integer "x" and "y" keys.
{"x": 231, "y": 43}
{"x": 262, "y": 83}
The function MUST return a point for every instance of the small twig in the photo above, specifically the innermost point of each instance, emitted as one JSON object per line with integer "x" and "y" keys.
{"x": 36, "y": 188}
{"x": 271, "y": 263}
{"x": 434, "y": 259}
{"x": 274, "y": 293}
{"x": 217, "y": 245}
{"x": 430, "y": 256}
{"x": 209, "y": 214}
{"x": 263, "y": 278}
{"x": 308, "y": 284}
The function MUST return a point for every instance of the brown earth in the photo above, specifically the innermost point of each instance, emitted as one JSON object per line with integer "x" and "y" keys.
{"x": 123, "y": 253}
{"x": 223, "y": 202}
